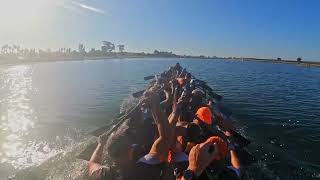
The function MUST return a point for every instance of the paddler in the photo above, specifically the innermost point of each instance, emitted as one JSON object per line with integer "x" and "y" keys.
{"x": 163, "y": 150}
{"x": 206, "y": 162}
{"x": 184, "y": 81}
{"x": 206, "y": 153}
{"x": 124, "y": 146}
{"x": 177, "y": 67}
{"x": 126, "y": 157}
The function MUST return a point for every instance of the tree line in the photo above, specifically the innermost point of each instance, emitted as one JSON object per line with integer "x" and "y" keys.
{"x": 107, "y": 48}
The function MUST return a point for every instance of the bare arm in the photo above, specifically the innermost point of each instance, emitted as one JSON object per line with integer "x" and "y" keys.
{"x": 235, "y": 162}
{"x": 161, "y": 145}
{"x": 200, "y": 157}
{"x": 158, "y": 116}
{"x": 168, "y": 101}
{"x": 96, "y": 158}
{"x": 176, "y": 108}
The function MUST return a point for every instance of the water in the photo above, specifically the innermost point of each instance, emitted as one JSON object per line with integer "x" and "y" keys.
{"x": 47, "y": 110}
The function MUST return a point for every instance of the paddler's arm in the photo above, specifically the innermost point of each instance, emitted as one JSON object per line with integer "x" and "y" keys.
{"x": 169, "y": 91}
{"x": 200, "y": 157}
{"x": 168, "y": 101}
{"x": 235, "y": 162}
{"x": 158, "y": 115}
{"x": 234, "y": 159}
{"x": 96, "y": 158}
{"x": 161, "y": 145}
{"x": 176, "y": 108}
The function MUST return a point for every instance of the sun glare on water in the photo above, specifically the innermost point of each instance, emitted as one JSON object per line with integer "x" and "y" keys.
{"x": 18, "y": 120}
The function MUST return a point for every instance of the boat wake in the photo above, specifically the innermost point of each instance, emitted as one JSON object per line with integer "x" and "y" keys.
{"x": 60, "y": 158}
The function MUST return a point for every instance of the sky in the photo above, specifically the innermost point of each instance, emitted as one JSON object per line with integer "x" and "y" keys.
{"x": 241, "y": 28}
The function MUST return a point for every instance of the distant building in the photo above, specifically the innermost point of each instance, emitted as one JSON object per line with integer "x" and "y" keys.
{"x": 81, "y": 49}
{"x": 163, "y": 53}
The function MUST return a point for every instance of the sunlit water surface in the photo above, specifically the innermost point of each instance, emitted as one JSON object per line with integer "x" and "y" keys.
{"x": 47, "y": 110}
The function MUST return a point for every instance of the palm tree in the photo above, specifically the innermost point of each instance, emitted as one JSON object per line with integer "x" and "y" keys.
{"x": 107, "y": 46}
{"x": 156, "y": 52}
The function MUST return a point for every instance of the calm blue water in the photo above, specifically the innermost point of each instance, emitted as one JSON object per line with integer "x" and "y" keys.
{"x": 48, "y": 108}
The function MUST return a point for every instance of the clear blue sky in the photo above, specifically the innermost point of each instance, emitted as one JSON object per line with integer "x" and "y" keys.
{"x": 269, "y": 28}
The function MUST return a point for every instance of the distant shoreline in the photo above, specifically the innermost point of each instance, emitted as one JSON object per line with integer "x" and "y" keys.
{"x": 274, "y": 61}
{"x": 19, "y": 61}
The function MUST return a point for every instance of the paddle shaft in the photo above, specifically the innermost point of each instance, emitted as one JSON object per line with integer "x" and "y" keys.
{"x": 148, "y": 77}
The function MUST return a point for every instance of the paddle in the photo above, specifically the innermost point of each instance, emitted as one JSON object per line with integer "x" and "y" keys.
{"x": 241, "y": 141}
{"x": 239, "y": 138}
{"x": 203, "y": 85}
{"x": 102, "y": 129}
{"x": 214, "y": 95}
{"x": 148, "y": 77}
{"x": 86, "y": 154}
{"x": 210, "y": 92}
{"x": 245, "y": 157}
{"x": 236, "y": 137}
{"x": 138, "y": 94}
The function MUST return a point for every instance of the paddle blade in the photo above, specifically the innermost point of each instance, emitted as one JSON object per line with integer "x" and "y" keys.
{"x": 215, "y": 96}
{"x": 224, "y": 125}
{"x": 239, "y": 139}
{"x": 101, "y": 130}
{"x": 245, "y": 157}
{"x": 148, "y": 78}
{"x": 138, "y": 94}
{"x": 106, "y": 127}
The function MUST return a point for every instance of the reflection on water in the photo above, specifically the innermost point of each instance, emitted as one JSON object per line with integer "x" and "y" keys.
{"x": 17, "y": 120}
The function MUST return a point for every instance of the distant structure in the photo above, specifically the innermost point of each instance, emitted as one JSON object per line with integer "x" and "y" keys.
{"x": 121, "y": 48}
{"x": 4, "y": 49}
{"x": 81, "y": 49}
{"x": 107, "y": 47}
{"x": 163, "y": 53}
{"x": 7, "y": 49}
{"x": 299, "y": 59}
{"x": 93, "y": 50}
{"x": 279, "y": 59}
